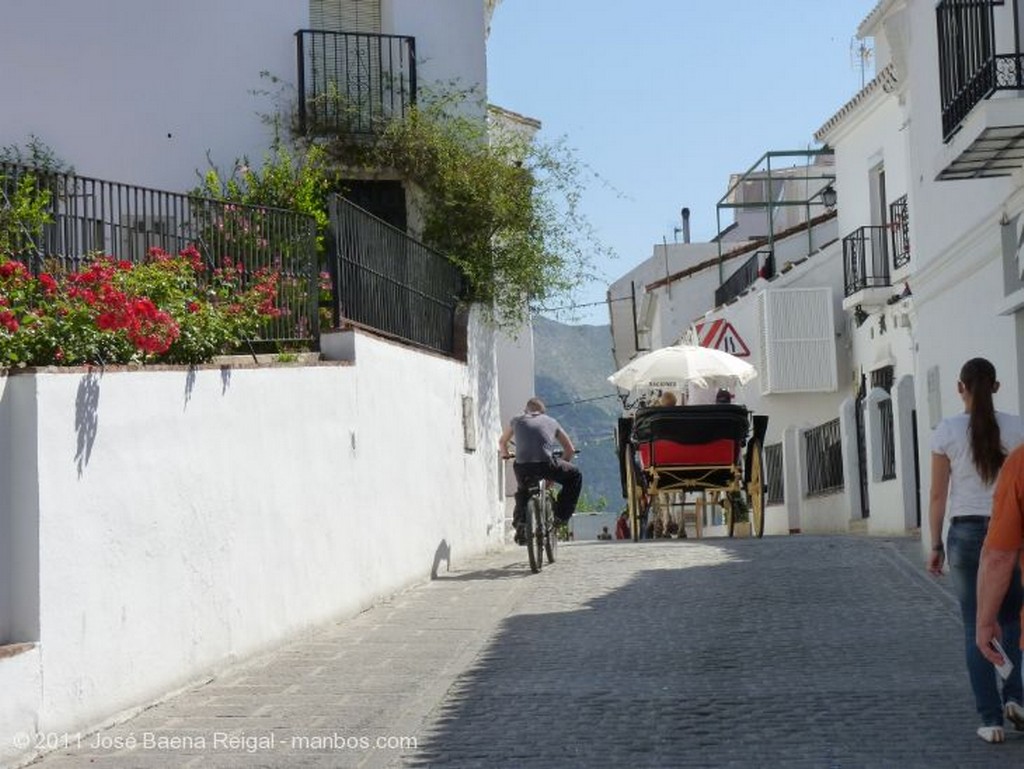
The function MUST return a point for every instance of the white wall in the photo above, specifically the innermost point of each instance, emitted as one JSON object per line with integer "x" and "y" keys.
{"x": 188, "y": 519}
{"x": 516, "y": 385}
{"x": 139, "y": 91}
{"x": 6, "y": 554}
{"x": 450, "y": 40}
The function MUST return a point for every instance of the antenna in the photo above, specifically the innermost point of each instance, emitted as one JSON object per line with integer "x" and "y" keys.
{"x": 862, "y": 54}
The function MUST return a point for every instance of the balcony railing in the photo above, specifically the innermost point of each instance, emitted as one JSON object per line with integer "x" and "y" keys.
{"x": 353, "y": 83}
{"x": 91, "y": 216}
{"x": 865, "y": 259}
{"x": 970, "y": 70}
{"x": 385, "y": 280}
{"x": 899, "y": 223}
{"x": 761, "y": 264}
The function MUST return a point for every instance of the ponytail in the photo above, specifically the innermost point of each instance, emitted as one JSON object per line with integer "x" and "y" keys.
{"x": 978, "y": 377}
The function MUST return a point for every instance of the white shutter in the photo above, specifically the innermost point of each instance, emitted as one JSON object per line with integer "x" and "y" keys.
{"x": 798, "y": 342}
{"x": 345, "y": 15}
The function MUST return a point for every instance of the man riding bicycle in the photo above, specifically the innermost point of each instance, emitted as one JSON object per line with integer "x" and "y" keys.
{"x": 536, "y": 434}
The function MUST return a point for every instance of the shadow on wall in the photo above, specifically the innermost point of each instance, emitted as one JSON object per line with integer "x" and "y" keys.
{"x": 86, "y": 419}
{"x": 443, "y": 553}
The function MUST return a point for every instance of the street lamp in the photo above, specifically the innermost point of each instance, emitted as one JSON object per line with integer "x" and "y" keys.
{"x": 828, "y": 196}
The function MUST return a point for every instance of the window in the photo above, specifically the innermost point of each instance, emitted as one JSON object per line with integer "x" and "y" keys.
{"x": 773, "y": 473}
{"x": 883, "y": 377}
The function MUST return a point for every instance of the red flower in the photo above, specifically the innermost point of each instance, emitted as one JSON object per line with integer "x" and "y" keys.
{"x": 12, "y": 269}
{"x": 8, "y": 321}
{"x": 48, "y": 283}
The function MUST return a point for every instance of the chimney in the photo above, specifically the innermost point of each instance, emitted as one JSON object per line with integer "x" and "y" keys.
{"x": 686, "y": 225}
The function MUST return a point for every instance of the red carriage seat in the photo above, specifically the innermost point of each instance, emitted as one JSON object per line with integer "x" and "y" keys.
{"x": 691, "y": 435}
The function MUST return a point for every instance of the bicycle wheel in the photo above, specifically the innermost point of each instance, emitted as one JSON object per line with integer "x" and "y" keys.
{"x": 550, "y": 529}
{"x": 534, "y": 534}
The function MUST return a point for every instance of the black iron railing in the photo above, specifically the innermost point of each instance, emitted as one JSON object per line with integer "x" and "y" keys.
{"x": 824, "y": 453}
{"x": 865, "y": 259}
{"x": 899, "y": 224}
{"x": 760, "y": 264}
{"x": 390, "y": 282}
{"x": 970, "y": 70}
{"x": 89, "y": 217}
{"x": 353, "y": 83}
{"x": 773, "y": 474}
{"x": 888, "y": 442}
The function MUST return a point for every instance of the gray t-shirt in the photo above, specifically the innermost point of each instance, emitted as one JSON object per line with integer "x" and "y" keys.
{"x": 535, "y": 436}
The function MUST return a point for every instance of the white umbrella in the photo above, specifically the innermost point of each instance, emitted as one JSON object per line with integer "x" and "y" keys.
{"x": 674, "y": 367}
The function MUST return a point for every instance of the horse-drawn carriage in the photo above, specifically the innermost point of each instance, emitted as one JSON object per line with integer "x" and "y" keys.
{"x": 695, "y": 459}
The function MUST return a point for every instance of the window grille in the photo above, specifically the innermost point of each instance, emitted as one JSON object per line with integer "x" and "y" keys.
{"x": 773, "y": 473}
{"x": 883, "y": 377}
{"x": 824, "y": 459}
{"x": 888, "y": 439}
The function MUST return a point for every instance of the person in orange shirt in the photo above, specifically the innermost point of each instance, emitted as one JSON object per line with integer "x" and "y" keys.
{"x": 1001, "y": 552}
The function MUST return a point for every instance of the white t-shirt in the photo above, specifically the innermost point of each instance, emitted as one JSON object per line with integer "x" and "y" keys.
{"x": 968, "y": 495}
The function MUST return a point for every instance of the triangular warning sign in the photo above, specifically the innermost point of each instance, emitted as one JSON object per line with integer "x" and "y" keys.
{"x": 720, "y": 335}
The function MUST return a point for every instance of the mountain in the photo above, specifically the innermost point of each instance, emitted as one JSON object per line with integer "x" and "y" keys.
{"x": 572, "y": 365}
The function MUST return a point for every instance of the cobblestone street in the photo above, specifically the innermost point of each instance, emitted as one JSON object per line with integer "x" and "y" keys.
{"x": 801, "y": 651}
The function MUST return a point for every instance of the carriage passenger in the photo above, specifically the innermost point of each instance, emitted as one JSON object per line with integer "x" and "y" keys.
{"x": 668, "y": 398}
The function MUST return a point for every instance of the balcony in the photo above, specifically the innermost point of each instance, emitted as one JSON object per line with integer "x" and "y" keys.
{"x": 866, "y": 278}
{"x": 760, "y": 265}
{"x": 353, "y": 83}
{"x": 978, "y": 58}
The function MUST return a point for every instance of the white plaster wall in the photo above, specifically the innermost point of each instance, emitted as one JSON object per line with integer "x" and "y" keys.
{"x": 139, "y": 91}
{"x": 187, "y": 520}
{"x": 875, "y": 134}
{"x": 6, "y": 449}
{"x": 516, "y": 385}
{"x": 953, "y": 324}
{"x": 886, "y": 512}
{"x": 450, "y": 41}
{"x": 21, "y": 682}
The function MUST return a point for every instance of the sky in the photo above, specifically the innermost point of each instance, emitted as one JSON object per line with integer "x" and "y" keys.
{"x": 664, "y": 99}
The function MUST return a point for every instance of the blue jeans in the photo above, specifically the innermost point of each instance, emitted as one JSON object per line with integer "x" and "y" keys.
{"x": 963, "y": 548}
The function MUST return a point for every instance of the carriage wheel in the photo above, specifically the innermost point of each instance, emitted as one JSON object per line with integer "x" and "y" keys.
{"x": 633, "y": 499}
{"x": 755, "y": 492}
{"x": 639, "y": 499}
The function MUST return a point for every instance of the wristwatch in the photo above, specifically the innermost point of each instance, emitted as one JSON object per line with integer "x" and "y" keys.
{"x": 939, "y": 548}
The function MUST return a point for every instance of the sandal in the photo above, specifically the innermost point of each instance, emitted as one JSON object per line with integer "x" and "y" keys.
{"x": 991, "y": 733}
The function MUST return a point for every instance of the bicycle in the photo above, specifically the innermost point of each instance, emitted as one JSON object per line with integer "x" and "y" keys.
{"x": 540, "y": 527}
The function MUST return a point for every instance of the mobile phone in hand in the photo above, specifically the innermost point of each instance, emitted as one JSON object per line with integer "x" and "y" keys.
{"x": 1006, "y": 668}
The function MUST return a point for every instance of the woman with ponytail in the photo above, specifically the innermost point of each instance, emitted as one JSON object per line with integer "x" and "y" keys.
{"x": 967, "y": 451}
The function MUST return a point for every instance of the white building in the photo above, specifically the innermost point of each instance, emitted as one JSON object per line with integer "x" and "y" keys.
{"x": 928, "y": 173}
